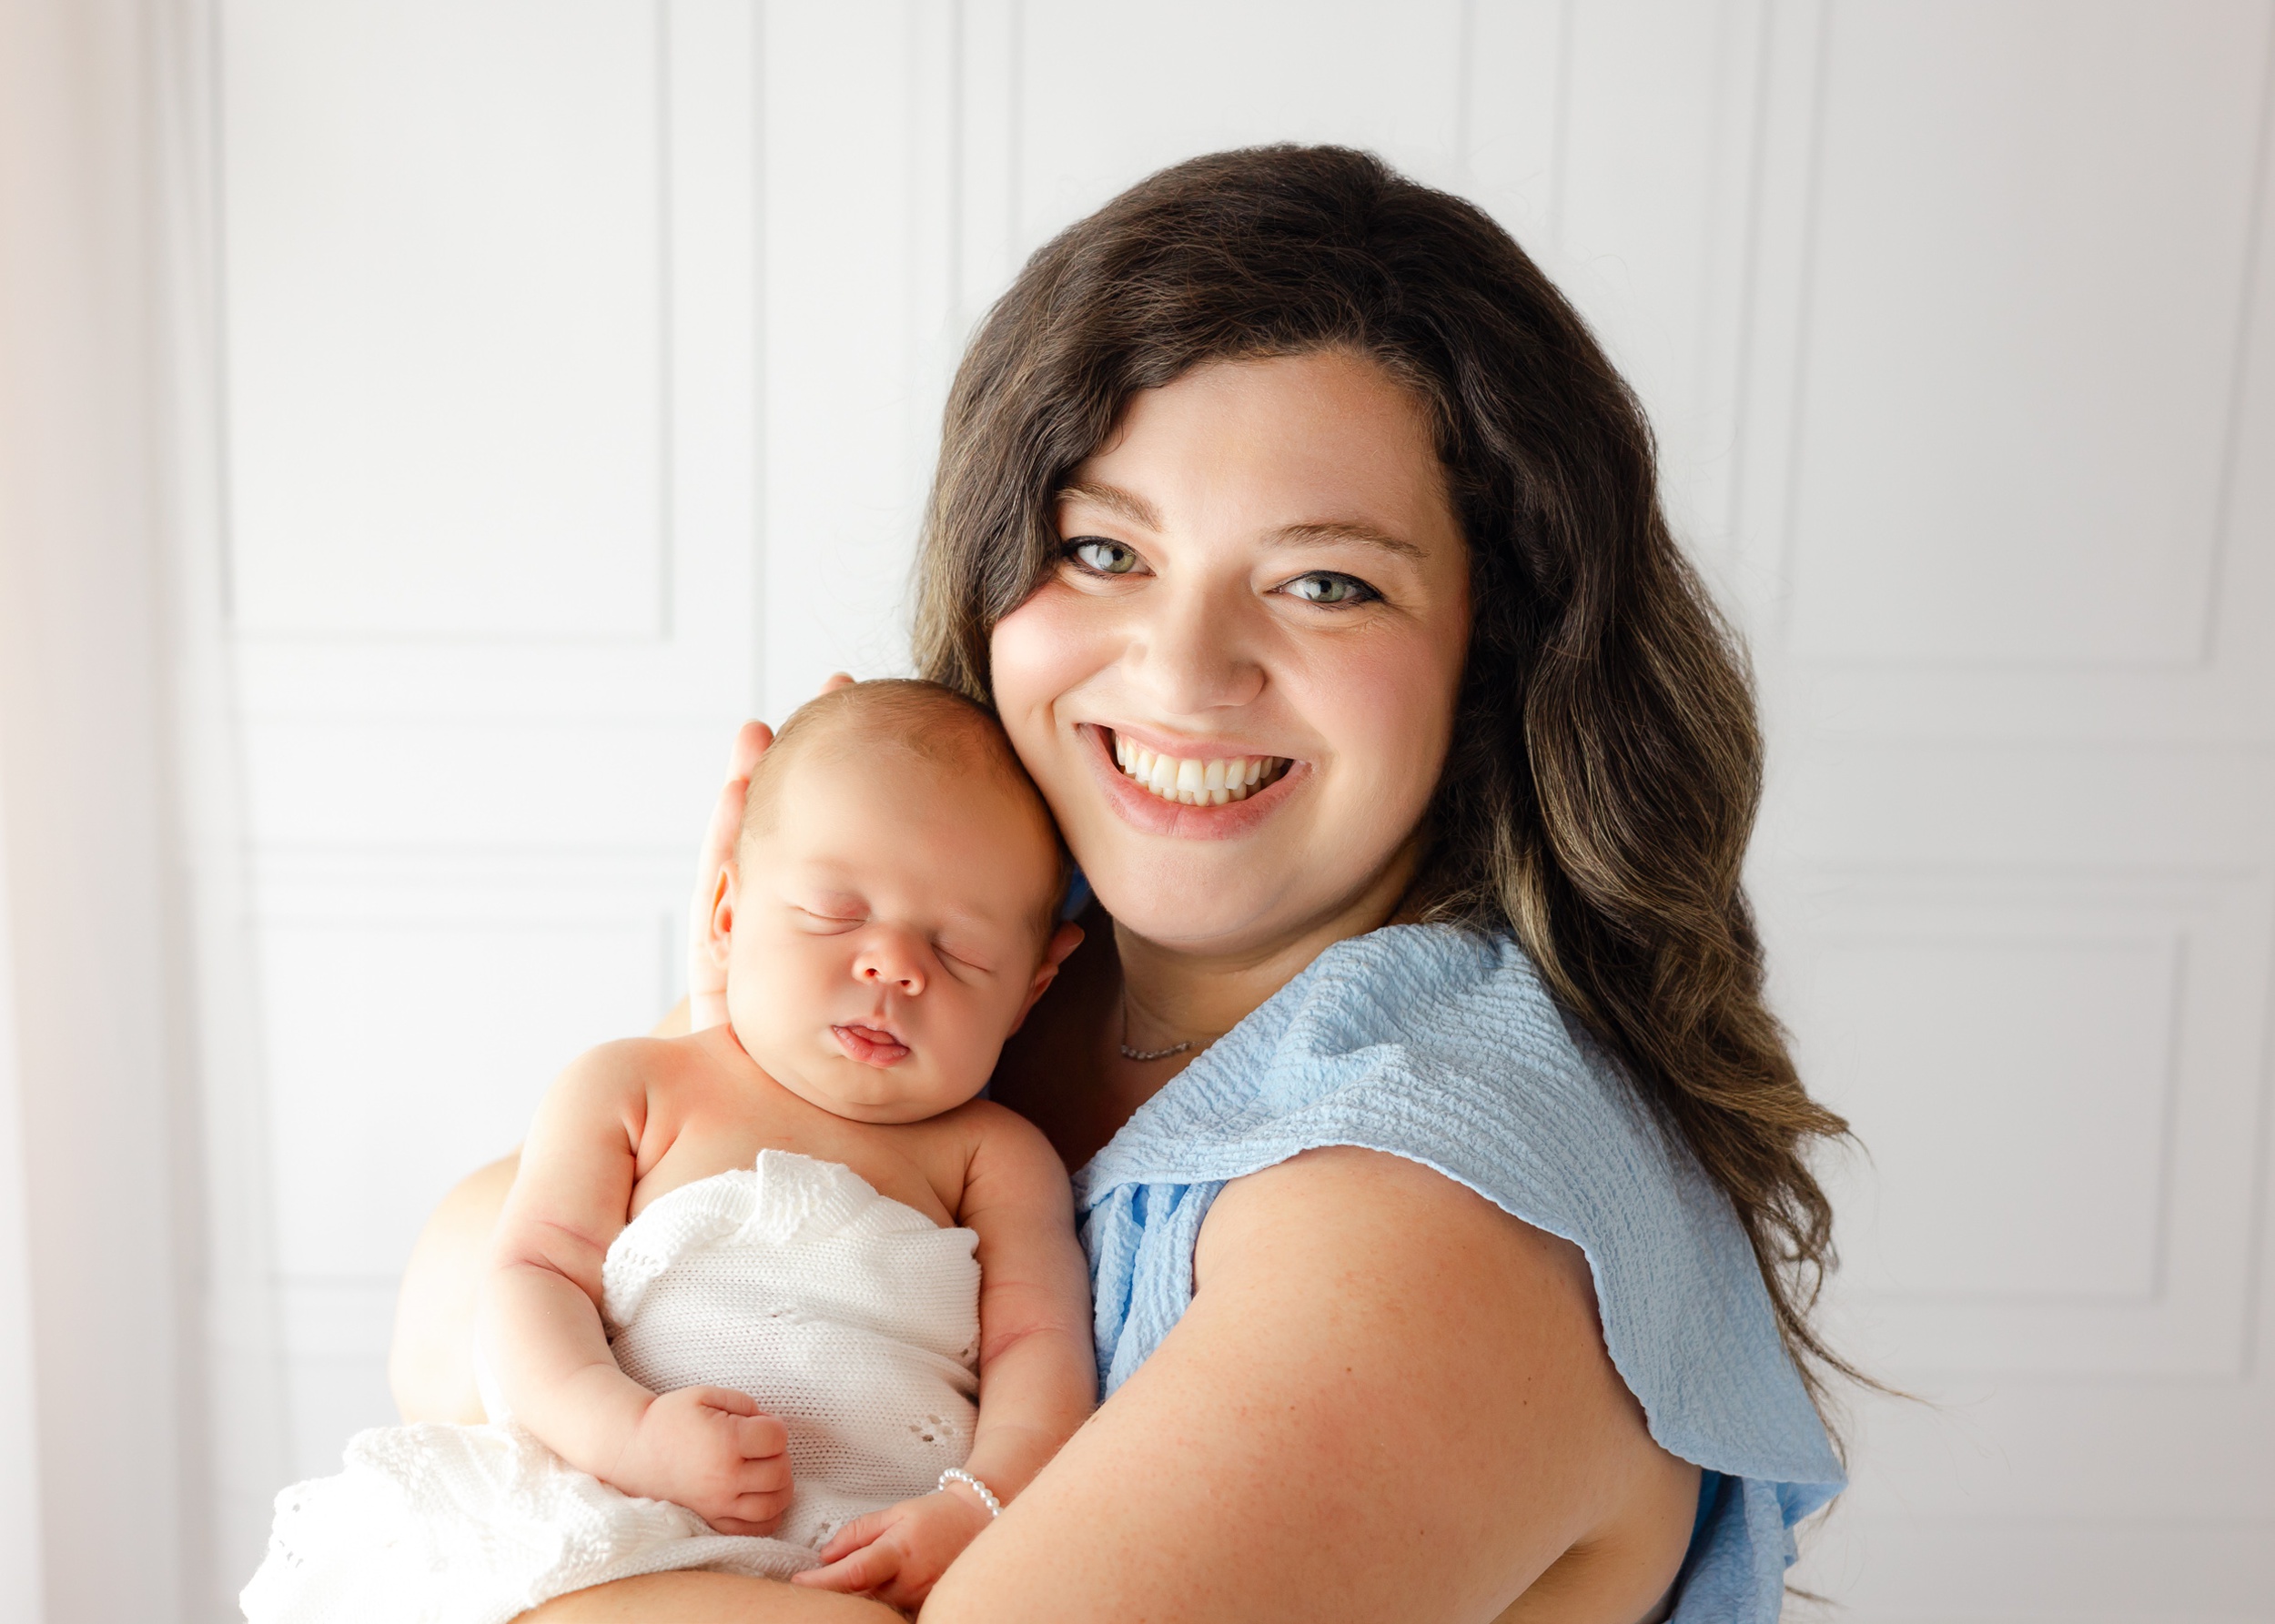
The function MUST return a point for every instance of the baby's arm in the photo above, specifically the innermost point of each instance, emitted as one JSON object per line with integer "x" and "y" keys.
{"x": 708, "y": 1449}
{"x": 1038, "y": 1375}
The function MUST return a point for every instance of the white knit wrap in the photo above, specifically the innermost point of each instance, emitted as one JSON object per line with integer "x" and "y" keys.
{"x": 852, "y": 1317}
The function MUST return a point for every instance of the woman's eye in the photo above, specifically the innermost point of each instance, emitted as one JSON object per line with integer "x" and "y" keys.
{"x": 1101, "y": 557}
{"x": 1324, "y": 586}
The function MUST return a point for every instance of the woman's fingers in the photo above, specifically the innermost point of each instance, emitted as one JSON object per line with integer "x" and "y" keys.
{"x": 707, "y": 970}
{"x": 751, "y": 741}
{"x": 706, "y": 974}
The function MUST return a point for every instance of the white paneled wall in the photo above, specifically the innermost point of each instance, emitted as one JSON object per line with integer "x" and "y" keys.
{"x": 493, "y": 294}
{"x": 2002, "y": 529}
{"x": 584, "y": 363}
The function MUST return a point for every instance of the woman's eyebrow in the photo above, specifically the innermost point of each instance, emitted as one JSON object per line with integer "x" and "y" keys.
{"x": 1337, "y": 529}
{"x": 1122, "y": 504}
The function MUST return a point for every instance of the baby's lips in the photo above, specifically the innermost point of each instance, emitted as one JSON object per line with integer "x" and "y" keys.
{"x": 868, "y": 1044}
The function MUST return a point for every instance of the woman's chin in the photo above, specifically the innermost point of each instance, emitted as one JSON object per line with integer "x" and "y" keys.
{"x": 1217, "y": 901}
{"x": 1196, "y": 916}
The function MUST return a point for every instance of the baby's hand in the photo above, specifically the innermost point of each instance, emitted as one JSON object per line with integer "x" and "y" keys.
{"x": 897, "y": 1555}
{"x": 715, "y": 1451}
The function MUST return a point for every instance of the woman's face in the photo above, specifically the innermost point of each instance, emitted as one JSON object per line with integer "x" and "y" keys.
{"x": 1237, "y": 689}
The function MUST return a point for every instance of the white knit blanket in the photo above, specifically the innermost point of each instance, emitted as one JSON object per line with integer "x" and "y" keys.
{"x": 852, "y": 1317}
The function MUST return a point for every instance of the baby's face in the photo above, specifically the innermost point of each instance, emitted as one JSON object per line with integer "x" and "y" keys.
{"x": 886, "y": 934}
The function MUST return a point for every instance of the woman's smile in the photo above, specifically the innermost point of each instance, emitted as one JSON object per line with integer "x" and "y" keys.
{"x": 1201, "y": 780}
{"x": 1193, "y": 792}
{"x": 1236, "y": 690}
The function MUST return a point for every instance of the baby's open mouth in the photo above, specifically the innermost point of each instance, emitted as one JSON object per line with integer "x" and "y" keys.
{"x": 1192, "y": 782}
{"x": 869, "y": 1045}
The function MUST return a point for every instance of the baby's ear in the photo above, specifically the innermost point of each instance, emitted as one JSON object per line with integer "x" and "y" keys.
{"x": 1056, "y": 952}
{"x": 722, "y": 913}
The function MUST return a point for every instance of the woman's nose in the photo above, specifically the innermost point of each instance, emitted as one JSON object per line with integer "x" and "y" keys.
{"x": 886, "y": 960}
{"x": 1193, "y": 653}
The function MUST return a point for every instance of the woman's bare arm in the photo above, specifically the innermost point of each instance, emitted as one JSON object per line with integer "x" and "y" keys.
{"x": 709, "y": 1598}
{"x": 1388, "y": 1399}
{"x": 431, "y": 1361}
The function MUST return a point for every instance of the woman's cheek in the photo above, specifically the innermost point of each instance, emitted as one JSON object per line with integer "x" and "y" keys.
{"x": 1038, "y": 652}
{"x": 1387, "y": 709}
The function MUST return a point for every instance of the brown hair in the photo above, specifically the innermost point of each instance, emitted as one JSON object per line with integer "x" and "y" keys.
{"x": 1606, "y": 762}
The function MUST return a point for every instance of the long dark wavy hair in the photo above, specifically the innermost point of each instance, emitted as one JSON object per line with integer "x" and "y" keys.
{"x": 1606, "y": 762}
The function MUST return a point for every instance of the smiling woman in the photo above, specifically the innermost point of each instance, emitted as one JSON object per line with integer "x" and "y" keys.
{"x": 1440, "y": 1168}
{"x": 1280, "y": 516}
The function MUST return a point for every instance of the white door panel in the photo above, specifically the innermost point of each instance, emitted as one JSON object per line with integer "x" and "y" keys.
{"x": 445, "y": 317}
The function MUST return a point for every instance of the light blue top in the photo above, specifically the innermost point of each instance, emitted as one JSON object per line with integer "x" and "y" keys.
{"x": 1442, "y": 1047}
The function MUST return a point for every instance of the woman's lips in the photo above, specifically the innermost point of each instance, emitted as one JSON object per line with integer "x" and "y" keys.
{"x": 869, "y": 1045}
{"x": 1195, "y": 780}
{"x": 1143, "y": 810}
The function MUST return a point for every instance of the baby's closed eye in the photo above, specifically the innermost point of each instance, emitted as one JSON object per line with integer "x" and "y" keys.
{"x": 968, "y": 955}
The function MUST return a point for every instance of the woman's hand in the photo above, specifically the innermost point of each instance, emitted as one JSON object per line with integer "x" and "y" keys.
{"x": 706, "y": 976}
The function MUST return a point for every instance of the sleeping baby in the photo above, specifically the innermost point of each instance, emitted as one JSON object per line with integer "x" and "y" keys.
{"x": 751, "y": 1285}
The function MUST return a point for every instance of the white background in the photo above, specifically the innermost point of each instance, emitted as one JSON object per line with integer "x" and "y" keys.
{"x": 581, "y": 364}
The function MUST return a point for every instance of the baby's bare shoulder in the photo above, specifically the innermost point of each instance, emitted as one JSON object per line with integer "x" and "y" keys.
{"x": 1003, "y": 1149}
{"x": 608, "y": 1074}
{"x": 615, "y": 1064}
{"x": 997, "y": 1127}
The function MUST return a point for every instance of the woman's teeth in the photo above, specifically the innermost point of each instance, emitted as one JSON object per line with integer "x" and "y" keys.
{"x": 1195, "y": 782}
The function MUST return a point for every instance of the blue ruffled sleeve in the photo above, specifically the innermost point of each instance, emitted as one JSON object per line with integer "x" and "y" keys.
{"x": 1442, "y": 1047}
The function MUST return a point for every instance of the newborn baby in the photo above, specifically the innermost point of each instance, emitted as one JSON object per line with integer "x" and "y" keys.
{"x": 735, "y": 1283}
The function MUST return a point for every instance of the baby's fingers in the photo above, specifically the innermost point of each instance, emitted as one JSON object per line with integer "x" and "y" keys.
{"x": 867, "y": 1569}
{"x": 856, "y": 1534}
{"x": 769, "y": 1476}
{"x": 753, "y": 1514}
{"x": 725, "y": 1398}
{"x": 760, "y": 1438}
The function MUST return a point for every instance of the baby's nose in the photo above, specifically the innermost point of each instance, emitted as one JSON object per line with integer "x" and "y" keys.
{"x": 888, "y": 966}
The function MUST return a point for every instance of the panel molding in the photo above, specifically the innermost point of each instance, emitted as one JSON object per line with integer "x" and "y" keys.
{"x": 1649, "y": 235}
{"x": 1987, "y": 1568}
{"x": 702, "y": 634}
{"x": 2199, "y": 1315}
{"x": 2226, "y": 691}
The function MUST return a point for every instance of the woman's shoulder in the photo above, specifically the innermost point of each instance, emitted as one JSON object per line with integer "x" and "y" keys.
{"x": 1444, "y": 1047}
{"x": 1441, "y": 1036}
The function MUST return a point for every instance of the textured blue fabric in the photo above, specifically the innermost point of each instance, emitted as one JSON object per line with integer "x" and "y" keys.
{"x": 1442, "y": 1047}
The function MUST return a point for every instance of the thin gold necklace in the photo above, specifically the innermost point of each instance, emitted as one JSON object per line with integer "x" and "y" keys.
{"x": 1130, "y": 1054}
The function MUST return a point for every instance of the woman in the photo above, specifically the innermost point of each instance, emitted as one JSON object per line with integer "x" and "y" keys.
{"x": 1281, "y": 468}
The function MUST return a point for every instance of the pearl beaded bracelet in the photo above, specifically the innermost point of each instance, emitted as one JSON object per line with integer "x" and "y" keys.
{"x": 956, "y": 1474}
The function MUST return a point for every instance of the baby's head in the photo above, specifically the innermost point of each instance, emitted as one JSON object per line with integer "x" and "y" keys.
{"x": 890, "y": 914}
